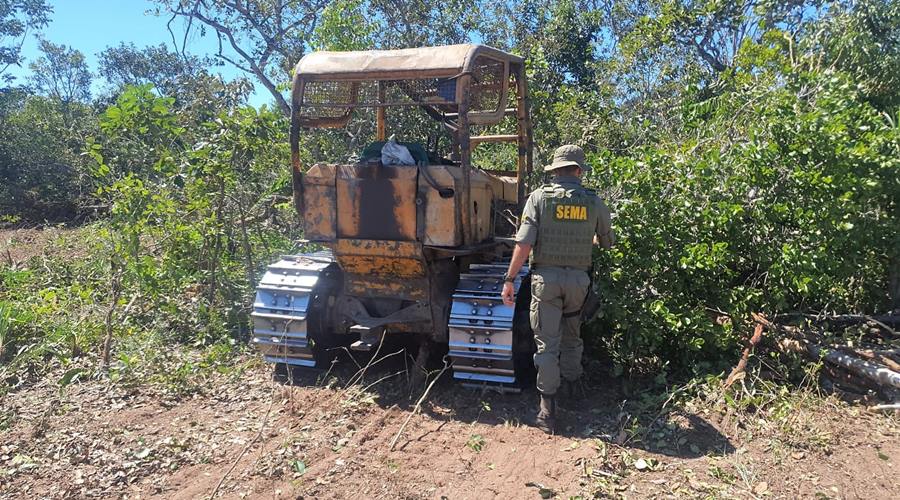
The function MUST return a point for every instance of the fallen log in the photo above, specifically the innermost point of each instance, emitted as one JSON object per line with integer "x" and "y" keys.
{"x": 894, "y": 407}
{"x": 873, "y": 356}
{"x": 890, "y": 319}
{"x": 871, "y": 371}
{"x": 846, "y": 385}
{"x": 887, "y": 322}
{"x": 846, "y": 379}
{"x": 893, "y": 354}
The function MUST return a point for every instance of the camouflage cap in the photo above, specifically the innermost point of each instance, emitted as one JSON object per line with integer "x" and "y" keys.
{"x": 566, "y": 156}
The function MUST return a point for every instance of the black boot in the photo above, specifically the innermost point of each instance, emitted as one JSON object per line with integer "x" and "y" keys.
{"x": 572, "y": 393}
{"x": 546, "y": 418}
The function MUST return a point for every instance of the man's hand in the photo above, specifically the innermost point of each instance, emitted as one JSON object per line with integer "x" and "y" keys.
{"x": 509, "y": 296}
{"x": 520, "y": 253}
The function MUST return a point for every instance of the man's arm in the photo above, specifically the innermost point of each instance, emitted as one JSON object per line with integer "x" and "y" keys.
{"x": 526, "y": 237}
{"x": 520, "y": 253}
{"x": 605, "y": 236}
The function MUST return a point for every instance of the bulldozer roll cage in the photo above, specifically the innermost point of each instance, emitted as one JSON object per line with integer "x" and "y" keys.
{"x": 458, "y": 85}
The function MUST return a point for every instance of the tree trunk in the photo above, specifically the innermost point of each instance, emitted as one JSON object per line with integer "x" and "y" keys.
{"x": 875, "y": 373}
{"x": 116, "y": 293}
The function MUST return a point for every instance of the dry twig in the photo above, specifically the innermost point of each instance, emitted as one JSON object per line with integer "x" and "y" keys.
{"x": 262, "y": 426}
{"x": 738, "y": 372}
{"x": 419, "y": 404}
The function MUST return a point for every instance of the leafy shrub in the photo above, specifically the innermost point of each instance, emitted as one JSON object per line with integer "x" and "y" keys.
{"x": 796, "y": 212}
{"x": 764, "y": 182}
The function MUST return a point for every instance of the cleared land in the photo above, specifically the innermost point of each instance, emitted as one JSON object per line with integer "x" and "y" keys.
{"x": 315, "y": 440}
{"x": 177, "y": 434}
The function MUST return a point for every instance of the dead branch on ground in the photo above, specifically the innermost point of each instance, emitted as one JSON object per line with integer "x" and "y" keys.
{"x": 871, "y": 371}
{"x": 738, "y": 372}
{"x": 419, "y": 403}
{"x": 853, "y": 366}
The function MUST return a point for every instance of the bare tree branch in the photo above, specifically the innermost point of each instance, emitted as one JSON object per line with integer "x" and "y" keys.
{"x": 264, "y": 37}
{"x": 253, "y": 65}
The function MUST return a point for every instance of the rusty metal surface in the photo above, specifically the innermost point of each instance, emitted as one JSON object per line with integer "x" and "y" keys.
{"x": 524, "y": 163}
{"x": 362, "y": 285}
{"x": 442, "y": 226}
{"x": 397, "y": 259}
{"x": 505, "y": 187}
{"x": 370, "y": 202}
{"x": 481, "y": 196}
{"x": 465, "y": 159}
{"x": 379, "y": 268}
{"x": 320, "y": 202}
{"x": 376, "y": 202}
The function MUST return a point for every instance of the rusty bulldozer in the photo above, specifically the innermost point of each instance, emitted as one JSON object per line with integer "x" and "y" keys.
{"x": 409, "y": 249}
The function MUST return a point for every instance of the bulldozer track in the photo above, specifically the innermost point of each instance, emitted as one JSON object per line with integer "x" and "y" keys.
{"x": 482, "y": 336}
{"x": 282, "y": 306}
{"x": 482, "y": 341}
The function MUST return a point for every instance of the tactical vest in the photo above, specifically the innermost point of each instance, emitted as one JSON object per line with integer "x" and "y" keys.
{"x": 568, "y": 221}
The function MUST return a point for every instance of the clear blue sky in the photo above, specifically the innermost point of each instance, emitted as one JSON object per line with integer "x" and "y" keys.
{"x": 92, "y": 25}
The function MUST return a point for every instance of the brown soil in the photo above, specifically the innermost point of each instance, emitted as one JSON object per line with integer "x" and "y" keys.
{"x": 18, "y": 245}
{"x": 310, "y": 441}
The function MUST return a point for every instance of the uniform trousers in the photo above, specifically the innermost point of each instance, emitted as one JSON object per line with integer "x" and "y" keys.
{"x": 557, "y": 295}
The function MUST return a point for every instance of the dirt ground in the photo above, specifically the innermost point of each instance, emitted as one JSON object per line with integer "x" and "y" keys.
{"x": 18, "y": 245}
{"x": 317, "y": 439}
{"x": 243, "y": 435}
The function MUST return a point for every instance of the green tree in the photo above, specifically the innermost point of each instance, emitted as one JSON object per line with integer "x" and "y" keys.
{"x": 426, "y": 22}
{"x": 157, "y": 65}
{"x": 197, "y": 92}
{"x": 714, "y": 30}
{"x": 18, "y": 18}
{"x": 61, "y": 73}
{"x": 343, "y": 26}
{"x": 207, "y": 200}
{"x": 42, "y": 173}
{"x": 864, "y": 40}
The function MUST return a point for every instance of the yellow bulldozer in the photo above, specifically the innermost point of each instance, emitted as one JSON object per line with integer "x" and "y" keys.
{"x": 415, "y": 248}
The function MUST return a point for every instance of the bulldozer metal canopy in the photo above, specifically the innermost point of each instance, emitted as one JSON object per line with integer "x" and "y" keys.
{"x": 424, "y": 62}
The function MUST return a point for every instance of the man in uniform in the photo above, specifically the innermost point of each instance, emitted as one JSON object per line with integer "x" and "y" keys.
{"x": 561, "y": 223}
